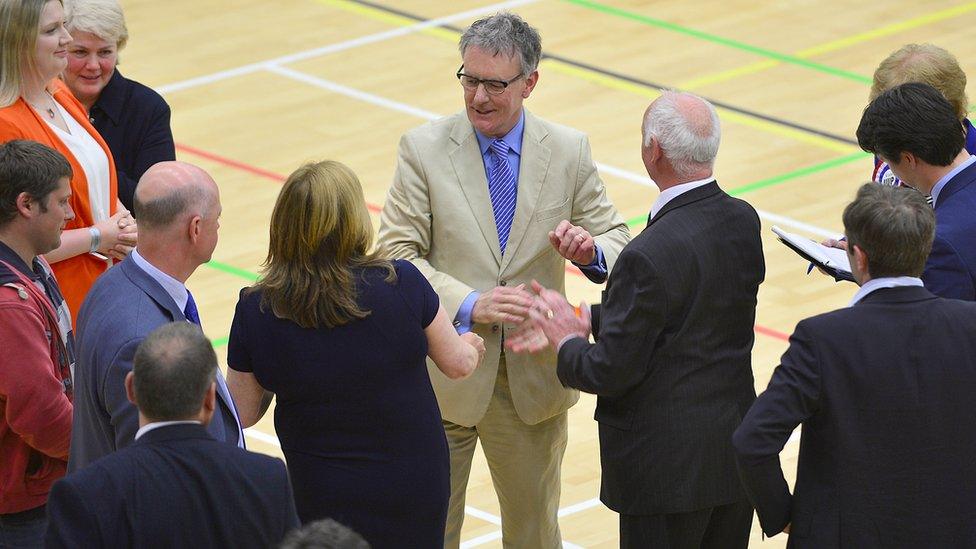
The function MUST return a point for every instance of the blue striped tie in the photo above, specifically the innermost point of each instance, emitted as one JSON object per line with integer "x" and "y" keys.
{"x": 502, "y": 189}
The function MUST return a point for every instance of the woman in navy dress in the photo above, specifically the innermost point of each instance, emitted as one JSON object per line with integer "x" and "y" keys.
{"x": 340, "y": 336}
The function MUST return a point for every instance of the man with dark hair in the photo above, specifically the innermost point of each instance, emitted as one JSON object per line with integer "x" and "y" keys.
{"x": 175, "y": 486}
{"x": 178, "y": 206}
{"x": 36, "y": 344}
{"x": 884, "y": 391}
{"x": 915, "y": 130}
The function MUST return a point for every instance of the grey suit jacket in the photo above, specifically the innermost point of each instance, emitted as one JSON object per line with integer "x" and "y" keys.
{"x": 120, "y": 310}
{"x": 438, "y": 215}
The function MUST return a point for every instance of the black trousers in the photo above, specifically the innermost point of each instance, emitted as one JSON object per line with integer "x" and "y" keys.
{"x": 724, "y": 527}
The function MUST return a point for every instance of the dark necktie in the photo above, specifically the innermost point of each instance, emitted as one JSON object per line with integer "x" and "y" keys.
{"x": 190, "y": 310}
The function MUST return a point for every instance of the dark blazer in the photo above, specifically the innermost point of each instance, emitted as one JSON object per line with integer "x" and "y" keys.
{"x": 672, "y": 362}
{"x": 174, "y": 487}
{"x": 120, "y": 310}
{"x": 134, "y": 122}
{"x": 951, "y": 268}
{"x": 885, "y": 392}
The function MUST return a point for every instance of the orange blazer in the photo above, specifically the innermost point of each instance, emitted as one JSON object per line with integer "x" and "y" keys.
{"x": 20, "y": 121}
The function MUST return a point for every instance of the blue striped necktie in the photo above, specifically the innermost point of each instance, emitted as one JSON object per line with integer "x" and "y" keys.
{"x": 502, "y": 188}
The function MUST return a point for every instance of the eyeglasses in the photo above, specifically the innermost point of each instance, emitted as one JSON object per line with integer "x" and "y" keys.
{"x": 493, "y": 87}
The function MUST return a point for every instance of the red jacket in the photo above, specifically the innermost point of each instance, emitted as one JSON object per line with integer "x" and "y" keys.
{"x": 35, "y": 407}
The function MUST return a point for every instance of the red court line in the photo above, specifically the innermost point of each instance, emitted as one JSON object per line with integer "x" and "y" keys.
{"x": 231, "y": 163}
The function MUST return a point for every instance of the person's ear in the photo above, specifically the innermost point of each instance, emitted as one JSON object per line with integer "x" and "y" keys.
{"x": 530, "y": 82}
{"x": 130, "y": 388}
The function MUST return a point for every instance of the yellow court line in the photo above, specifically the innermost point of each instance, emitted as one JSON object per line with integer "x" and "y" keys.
{"x": 833, "y": 45}
{"x": 610, "y": 82}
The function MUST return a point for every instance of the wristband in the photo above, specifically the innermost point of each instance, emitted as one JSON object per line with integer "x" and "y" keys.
{"x": 96, "y": 239}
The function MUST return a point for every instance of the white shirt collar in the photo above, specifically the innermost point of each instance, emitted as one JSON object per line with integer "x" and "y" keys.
{"x": 173, "y": 287}
{"x": 886, "y": 282}
{"x": 671, "y": 193}
{"x": 157, "y": 424}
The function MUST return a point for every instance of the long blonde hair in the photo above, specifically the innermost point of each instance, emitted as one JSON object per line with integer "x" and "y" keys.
{"x": 321, "y": 235}
{"x": 19, "y": 20}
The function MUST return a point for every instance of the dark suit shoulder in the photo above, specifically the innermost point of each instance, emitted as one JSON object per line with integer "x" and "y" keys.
{"x": 145, "y": 97}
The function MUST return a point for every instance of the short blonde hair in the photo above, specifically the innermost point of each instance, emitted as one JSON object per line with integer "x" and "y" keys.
{"x": 19, "y": 20}
{"x": 927, "y": 64}
{"x": 321, "y": 236}
{"x": 103, "y": 18}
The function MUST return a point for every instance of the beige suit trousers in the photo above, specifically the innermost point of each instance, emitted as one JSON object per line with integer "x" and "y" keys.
{"x": 525, "y": 463}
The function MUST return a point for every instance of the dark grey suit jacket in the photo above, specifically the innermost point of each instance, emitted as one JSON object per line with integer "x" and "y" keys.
{"x": 885, "y": 391}
{"x": 120, "y": 310}
{"x": 174, "y": 487}
{"x": 672, "y": 360}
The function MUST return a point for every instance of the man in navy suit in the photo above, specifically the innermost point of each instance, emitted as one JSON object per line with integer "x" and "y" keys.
{"x": 884, "y": 391}
{"x": 175, "y": 486}
{"x": 178, "y": 206}
{"x": 916, "y": 131}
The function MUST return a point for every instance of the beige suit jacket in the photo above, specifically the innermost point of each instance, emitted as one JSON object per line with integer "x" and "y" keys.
{"x": 438, "y": 215}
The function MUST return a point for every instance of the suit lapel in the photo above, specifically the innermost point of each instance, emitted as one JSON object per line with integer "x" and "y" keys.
{"x": 152, "y": 288}
{"x": 533, "y": 167}
{"x": 469, "y": 166}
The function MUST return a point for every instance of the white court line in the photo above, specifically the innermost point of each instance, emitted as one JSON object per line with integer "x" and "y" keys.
{"x": 481, "y": 540}
{"x": 333, "y": 48}
{"x": 579, "y": 507}
{"x": 483, "y": 515}
{"x": 428, "y": 115}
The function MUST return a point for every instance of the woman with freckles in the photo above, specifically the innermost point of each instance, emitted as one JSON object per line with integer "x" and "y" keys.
{"x": 132, "y": 118}
{"x": 36, "y": 105}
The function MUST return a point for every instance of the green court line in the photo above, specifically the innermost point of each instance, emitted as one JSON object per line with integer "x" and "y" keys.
{"x": 230, "y": 269}
{"x": 220, "y": 341}
{"x": 660, "y": 23}
{"x": 779, "y": 179}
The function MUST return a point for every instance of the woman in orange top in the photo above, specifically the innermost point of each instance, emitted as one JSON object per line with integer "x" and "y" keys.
{"x": 35, "y": 105}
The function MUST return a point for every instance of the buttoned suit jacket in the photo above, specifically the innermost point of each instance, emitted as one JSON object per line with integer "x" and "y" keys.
{"x": 884, "y": 391}
{"x": 672, "y": 366}
{"x": 174, "y": 487}
{"x": 123, "y": 306}
{"x": 438, "y": 215}
{"x": 951, "y": 267}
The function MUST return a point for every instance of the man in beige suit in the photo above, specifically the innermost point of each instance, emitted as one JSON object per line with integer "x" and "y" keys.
{"x": 483, "y": 202}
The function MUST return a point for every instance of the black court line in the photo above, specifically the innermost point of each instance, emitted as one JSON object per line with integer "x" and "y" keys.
{"x": 634, "y": 80}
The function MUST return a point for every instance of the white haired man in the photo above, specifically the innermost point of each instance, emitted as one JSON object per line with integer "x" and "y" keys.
{"x": 671, "y": 366}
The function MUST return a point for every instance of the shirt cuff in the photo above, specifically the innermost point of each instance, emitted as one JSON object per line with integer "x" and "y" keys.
{"x": 462, "y": 320}
{"x": 596, "y": 271}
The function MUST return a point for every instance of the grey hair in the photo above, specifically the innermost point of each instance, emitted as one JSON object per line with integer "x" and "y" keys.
{"x": 103, "y": 18}
{"x": 508, "y": 34}
{"x": 689, "y": 142}
{"x": 173, "y": 369}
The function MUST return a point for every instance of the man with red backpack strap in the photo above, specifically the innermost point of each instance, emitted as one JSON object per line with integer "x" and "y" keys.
{"x": 36, "y": 345}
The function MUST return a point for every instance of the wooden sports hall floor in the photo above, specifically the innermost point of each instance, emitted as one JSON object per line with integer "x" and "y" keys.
{"x": 259, "y": 86}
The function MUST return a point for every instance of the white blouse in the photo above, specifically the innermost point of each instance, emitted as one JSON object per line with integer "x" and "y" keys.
{"x": 92, "y": 159}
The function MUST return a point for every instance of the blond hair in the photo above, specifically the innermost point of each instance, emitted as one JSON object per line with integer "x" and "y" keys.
{"x": 320, "y": 235}
{"x": 928, "y": 64}
{"x": 19, "y": 21}
{"x": 103, "y": 18}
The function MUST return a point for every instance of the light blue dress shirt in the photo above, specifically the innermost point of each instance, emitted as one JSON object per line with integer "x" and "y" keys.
{"x": 462, "y": 321}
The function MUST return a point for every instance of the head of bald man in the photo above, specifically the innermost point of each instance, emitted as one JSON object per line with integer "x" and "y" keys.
{"x": 178, "y": 204}
{"x": 683, "y": 130}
